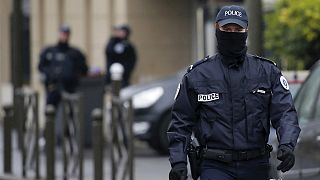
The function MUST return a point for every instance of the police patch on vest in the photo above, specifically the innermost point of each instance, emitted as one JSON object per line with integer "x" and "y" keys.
{"x": 284, "y": 83}
{"x": 49, "y": 56}
{"x": 208, "y": 97}
{"x": 60, "y": 56}
{"x": 119, "y": 48}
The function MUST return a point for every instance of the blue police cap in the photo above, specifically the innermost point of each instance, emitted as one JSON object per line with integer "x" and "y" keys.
{"x": 123, "y": 27}
{"x": 232, "y": 14}
{"x": 65, "y": 28}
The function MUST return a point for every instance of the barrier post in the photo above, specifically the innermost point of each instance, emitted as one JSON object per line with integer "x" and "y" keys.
{"x": 20, "y": 120}
{"x": 50, "y": 141}
{"x": 7, "y": 139}
{"x": 36, "y": 120}
{"x": 98, "y": 143}
{"x": 116, "y": 71}
{"x": 65, "y": 116}
{"x": 81, "y": 135}
{"x": 130, "y": 142}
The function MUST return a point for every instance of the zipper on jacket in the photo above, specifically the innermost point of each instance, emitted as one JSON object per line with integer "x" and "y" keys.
{"x": 246, "y": 119}
{"x": 232, "y": 120}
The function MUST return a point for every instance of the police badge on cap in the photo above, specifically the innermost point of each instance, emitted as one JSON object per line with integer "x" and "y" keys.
{"x": 232, "y": 14}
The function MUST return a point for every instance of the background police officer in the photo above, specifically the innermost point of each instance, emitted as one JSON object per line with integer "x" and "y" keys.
{"x": 120, "y": 50}
{"x": 61, "y": 66}
{"x": 228, "y": 101}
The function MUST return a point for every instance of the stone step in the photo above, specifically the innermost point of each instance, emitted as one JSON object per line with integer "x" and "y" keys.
{"x": 11, "y": 177}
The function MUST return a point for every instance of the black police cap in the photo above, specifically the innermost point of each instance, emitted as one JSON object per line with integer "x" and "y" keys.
{"x": 232, "y": 14}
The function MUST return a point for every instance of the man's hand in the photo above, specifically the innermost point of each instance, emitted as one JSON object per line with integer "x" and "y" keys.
{"x": 178, "y": 172}
{"x": 285, "y": 154}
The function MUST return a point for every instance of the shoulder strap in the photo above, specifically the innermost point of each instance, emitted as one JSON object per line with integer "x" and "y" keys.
{"x": 265, "y": 59}
{"x": 192, "y": 66}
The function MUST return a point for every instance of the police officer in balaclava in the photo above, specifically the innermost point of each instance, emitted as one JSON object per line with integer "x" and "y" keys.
{"x": 61, "y": 66}
{"x": 228, "y": 101}
{"x": 120, "y": 50}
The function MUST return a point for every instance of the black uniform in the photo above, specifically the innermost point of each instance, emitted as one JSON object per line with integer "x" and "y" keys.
{"x": 123, "y": 52}
{"x": 230, "y": 107}
{"x": 61, "y": 66}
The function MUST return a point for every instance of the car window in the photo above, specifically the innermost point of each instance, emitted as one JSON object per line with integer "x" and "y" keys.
{"x": 306, "y": 99}
{"x": 317, "y": 113}
{"x": 294, "y": 87}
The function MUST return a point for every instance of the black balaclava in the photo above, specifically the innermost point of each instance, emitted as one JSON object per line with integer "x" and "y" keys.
{"x": 63, "y": 46}
{"x": 232, "y": 46}
{"x": 124, "y": 28}
{"x": 115, "y": 39}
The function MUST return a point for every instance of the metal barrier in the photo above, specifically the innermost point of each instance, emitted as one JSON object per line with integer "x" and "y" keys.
{"x": 118, "y": 113}
{"x": 72, "y": 136}
{"x": 120, "y": 139}
{"x": 28, "y": 130}
{"x": 27, "y": 126}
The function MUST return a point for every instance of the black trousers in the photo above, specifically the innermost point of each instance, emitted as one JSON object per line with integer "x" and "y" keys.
{"x": 253, "y": 169}
{"x": 53, "y": 97}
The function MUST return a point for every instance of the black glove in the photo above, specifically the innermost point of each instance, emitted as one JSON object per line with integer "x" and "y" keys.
{"x": 285, "y": 154}
{"x": 178, "y": 172}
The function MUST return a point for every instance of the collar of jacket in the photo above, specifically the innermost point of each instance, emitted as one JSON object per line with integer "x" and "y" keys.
{"x": 232, "y": 63}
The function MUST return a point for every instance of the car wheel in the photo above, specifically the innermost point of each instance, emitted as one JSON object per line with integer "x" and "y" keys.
{"x": 159, "y": 140}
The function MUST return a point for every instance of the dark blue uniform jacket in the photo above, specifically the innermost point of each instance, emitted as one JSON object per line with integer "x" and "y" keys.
{"x": 230, "y": 107}
{"x": 123, "y": 52}
{"x": 62, "y": 65}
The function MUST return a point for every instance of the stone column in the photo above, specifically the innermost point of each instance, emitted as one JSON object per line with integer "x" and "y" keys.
{"x": 162, "y": 33}
{"x": 5, "y": 49}
{"x": 5, "y": 11}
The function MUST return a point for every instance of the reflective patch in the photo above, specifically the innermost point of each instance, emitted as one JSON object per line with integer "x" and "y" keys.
{"x": 49, "y": 56}
{"x": 208, "y": 97}
{"x": 261, "y": 91}
{"x": 191, "y": 66}
{"x": 60, "y": 56}
{"x": 119, "y": 48}
{"x": 284, "y": 83}
{"x": 177, "y": 91}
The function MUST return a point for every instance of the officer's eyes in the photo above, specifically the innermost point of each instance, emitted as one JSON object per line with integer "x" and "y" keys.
{"x": 226, "y": 29}
{"x": 240, "y": 30}
{"x": 233, "y": 30}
